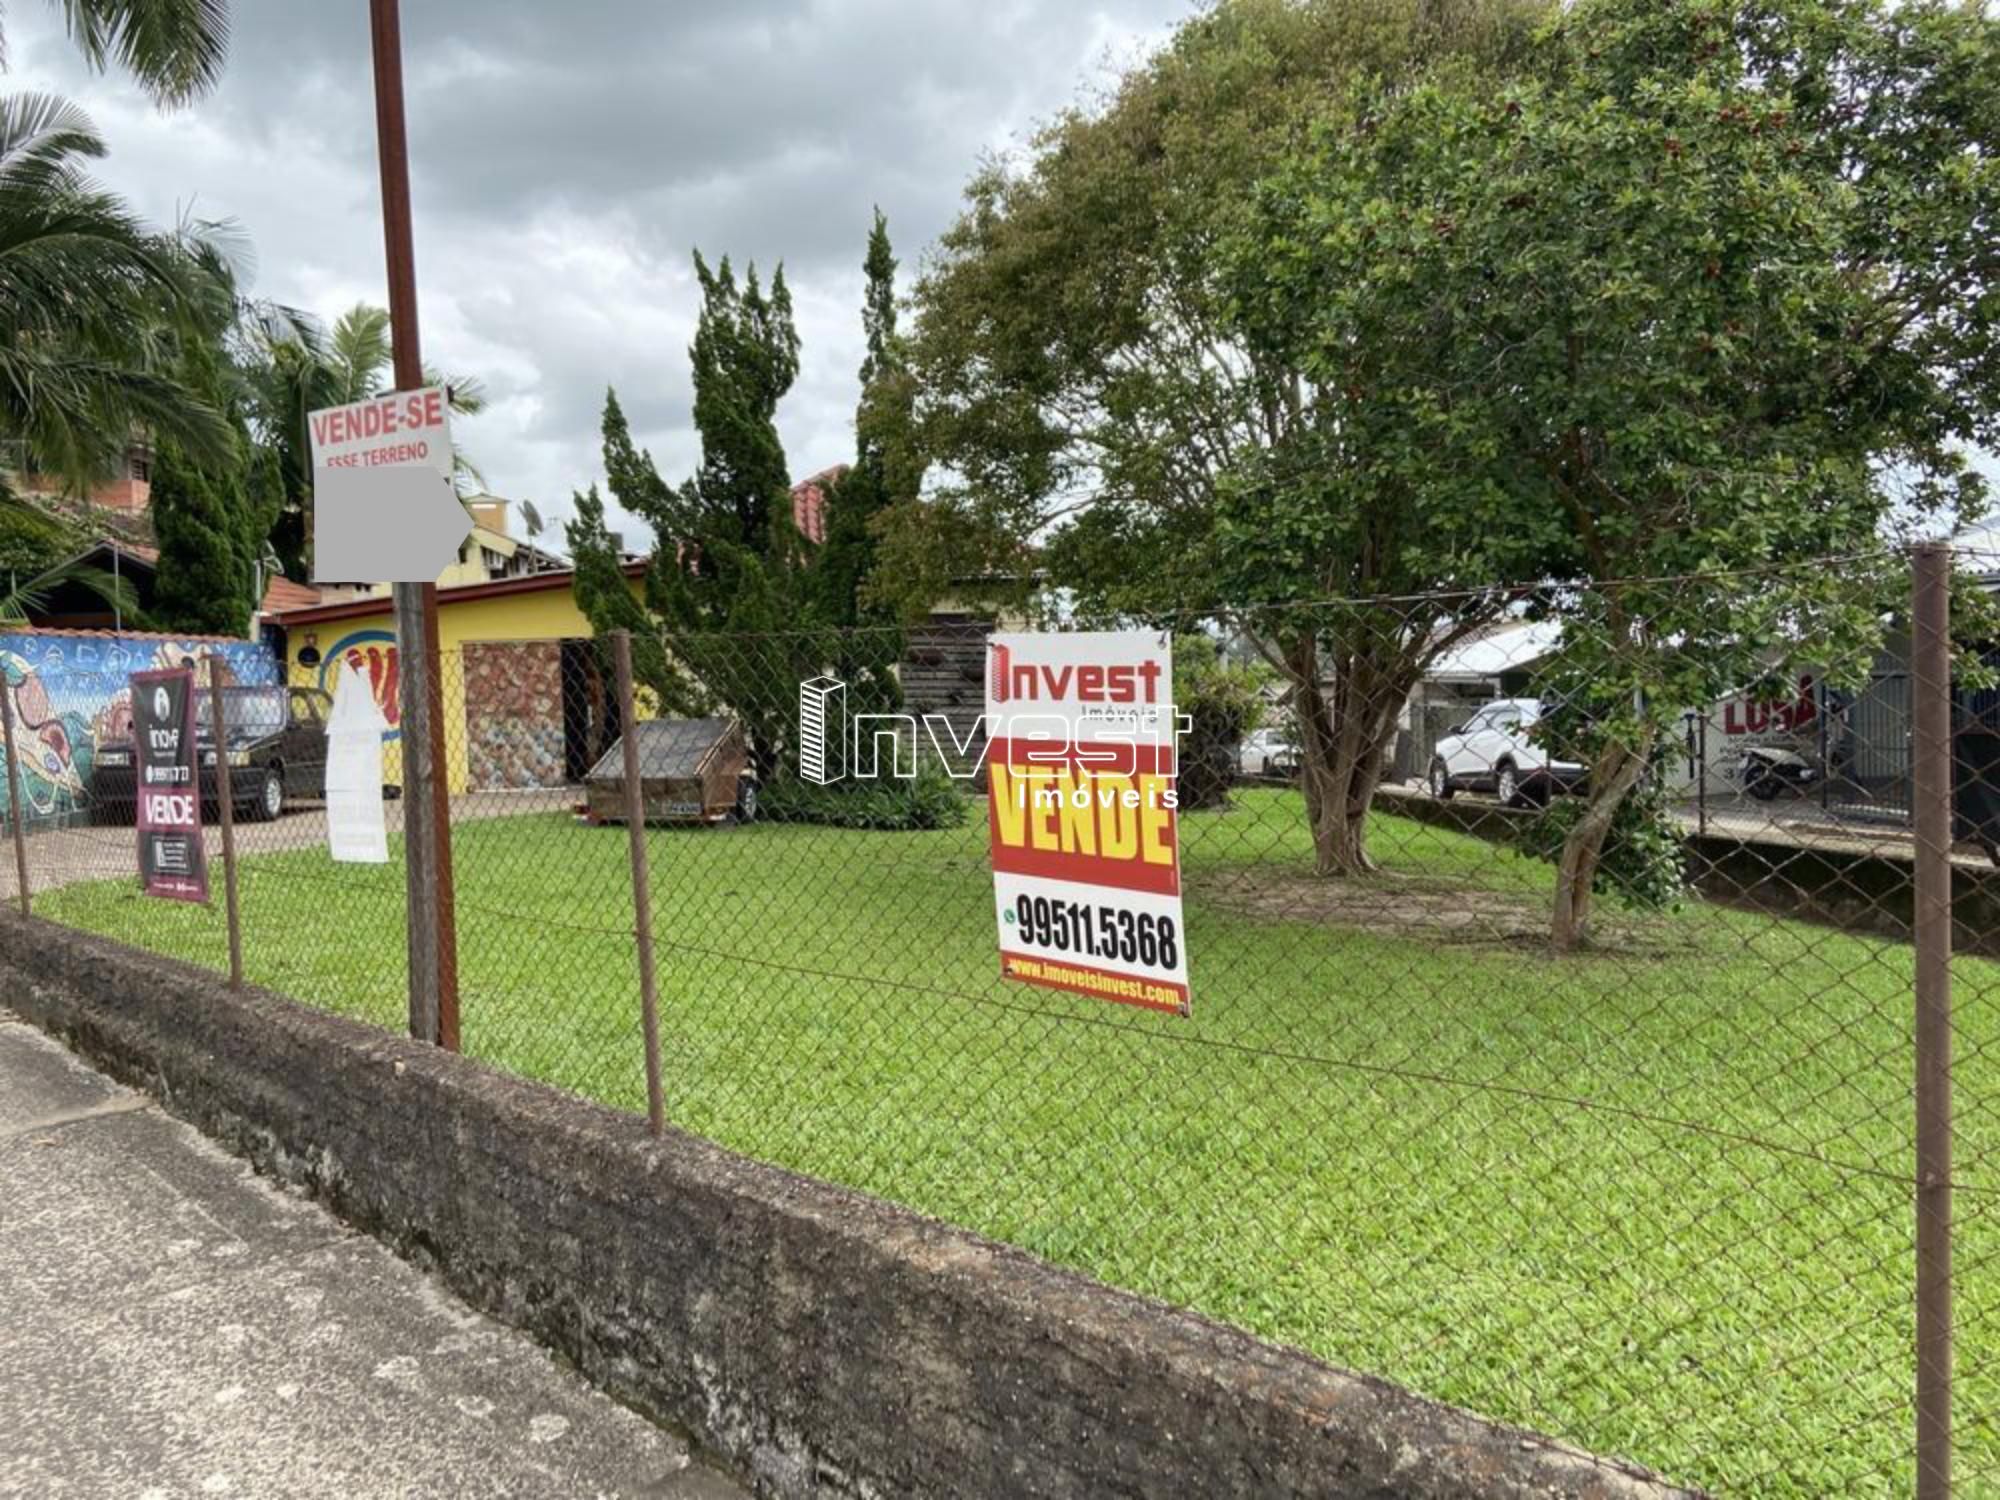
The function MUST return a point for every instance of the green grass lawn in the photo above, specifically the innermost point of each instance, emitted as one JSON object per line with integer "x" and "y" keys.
{"x": 1396, "y": 1132}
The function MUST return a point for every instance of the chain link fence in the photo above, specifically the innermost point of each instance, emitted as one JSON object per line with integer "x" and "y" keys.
{"x": 1553, "y": 961}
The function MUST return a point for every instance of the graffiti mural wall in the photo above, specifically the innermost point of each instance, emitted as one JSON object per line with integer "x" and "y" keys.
{"x": 70, "y": 694}
{"x": 372, "y": 653}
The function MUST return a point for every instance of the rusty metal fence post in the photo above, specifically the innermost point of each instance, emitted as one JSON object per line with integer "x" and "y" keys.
{"x": 1932, "y": 749}
{"x": 431, "y": 903}
{"x": 17, "y": 817}
{"x": 642, "y": 890}
{"x": 225, "y": 808}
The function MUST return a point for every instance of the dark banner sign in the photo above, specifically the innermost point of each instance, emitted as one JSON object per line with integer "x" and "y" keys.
{"x": 171, "y": 859}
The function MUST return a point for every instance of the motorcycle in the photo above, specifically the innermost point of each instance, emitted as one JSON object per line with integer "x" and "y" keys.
{"x": 1769, "y": 771}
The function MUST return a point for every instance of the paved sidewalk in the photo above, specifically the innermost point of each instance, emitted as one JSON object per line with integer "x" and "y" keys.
{"x": 174, "y": 1327}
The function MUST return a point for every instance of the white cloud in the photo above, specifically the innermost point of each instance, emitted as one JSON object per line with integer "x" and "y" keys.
{"x": 567, "y": 158}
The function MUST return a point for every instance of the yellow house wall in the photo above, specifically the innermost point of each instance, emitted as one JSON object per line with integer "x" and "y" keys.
{"x": 546, "y": 615}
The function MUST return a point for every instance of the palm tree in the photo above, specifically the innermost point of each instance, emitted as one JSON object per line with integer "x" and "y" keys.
{"x": 176, "y": 48}
{"x": 82, "y": 283}
{"x": 360, "y": 355}
{"x": 298, "y": 368}
{"x": 81, "y": 286}
{"x": 20, "y": 601}
{"x": 93, "y": 312}
{"x": 531, "y": 518}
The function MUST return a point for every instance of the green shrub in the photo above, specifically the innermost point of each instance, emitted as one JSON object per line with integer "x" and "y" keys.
{"x": 932, "y": 800}
{"x": 1644, "y": 863}
{"x": 1223, "y": 704}
{"x": 32, "y": 541}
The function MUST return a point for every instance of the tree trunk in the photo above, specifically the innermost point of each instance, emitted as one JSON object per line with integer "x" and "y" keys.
{"x": 1613, "y": 774}
{"x": 1344, "y": 736}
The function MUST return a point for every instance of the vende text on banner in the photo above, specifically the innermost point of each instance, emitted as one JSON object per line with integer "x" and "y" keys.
{"x": 406, "y": 428}
{"x": 172, "y": 861}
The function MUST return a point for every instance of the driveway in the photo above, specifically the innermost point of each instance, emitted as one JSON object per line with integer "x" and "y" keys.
{"x": 68, "y": 856}
{"x": 174, "y": 1327}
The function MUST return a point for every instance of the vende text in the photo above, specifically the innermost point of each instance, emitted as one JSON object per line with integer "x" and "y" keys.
{"x": 168, "y": 810}
{"x": 379, "y": 419}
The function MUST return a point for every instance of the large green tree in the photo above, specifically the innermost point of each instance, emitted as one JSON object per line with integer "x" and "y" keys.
{"x": 724, "y": 540}
{"x": 81, "y": 281}
{"x": 1710, "y": 288}
{"x": 853, "y": 593}
{"x": 80, "y": 278}
{"x": 85, "y": 291}
{"x": 888, "y": 467}
{"x": 96, "y": 315}
{"x": 1117, "y": 427}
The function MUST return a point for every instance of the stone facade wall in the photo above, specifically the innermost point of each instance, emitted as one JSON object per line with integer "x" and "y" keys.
{"x": 513, "y": 714}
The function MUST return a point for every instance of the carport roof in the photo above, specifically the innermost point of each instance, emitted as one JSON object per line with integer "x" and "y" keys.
{"x": 1503, "y": 648}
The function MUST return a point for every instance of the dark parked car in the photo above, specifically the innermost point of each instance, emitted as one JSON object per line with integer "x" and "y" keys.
{"x": 276, "y": 744}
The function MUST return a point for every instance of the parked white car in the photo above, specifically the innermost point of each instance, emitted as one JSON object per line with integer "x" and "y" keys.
{"x": 1267, "y": 752}
{"x": 1493, "y": 751}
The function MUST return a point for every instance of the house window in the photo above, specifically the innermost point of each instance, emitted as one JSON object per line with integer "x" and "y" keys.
{"x": 140, "y": 469}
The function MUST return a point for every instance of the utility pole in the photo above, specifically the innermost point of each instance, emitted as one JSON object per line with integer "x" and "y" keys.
{"x": 433, "y": 923}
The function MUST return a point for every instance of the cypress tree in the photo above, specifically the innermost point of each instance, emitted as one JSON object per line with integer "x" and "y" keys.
{"x": 211, "y": 526}
{"x": 885, "y": 470}
{"x": 886, "y": 467}
{"x": 726, "y": 583}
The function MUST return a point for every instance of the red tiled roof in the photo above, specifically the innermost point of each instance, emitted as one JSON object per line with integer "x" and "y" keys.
{"x": 809, "y": 502}
{"x": 284, "y": 595}
{"x": 381, "y": 604}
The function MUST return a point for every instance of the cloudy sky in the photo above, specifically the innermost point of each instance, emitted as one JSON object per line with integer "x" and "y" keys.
{"x": 568, "y": 156}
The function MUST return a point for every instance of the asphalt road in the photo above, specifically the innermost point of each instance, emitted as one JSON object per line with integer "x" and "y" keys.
{"x": 174, "y": 1327}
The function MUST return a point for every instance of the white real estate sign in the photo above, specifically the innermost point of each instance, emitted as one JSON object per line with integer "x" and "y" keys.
{"x": 385, "y": 509}
{"x": 406, "y": 427}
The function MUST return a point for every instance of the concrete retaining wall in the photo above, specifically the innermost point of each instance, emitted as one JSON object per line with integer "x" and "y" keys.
{"x": 820, "y": 1341}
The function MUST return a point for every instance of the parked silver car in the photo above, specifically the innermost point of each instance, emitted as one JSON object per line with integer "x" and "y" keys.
{"x": 1494, "y": 751}
{"x": 1267, "y": 752}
